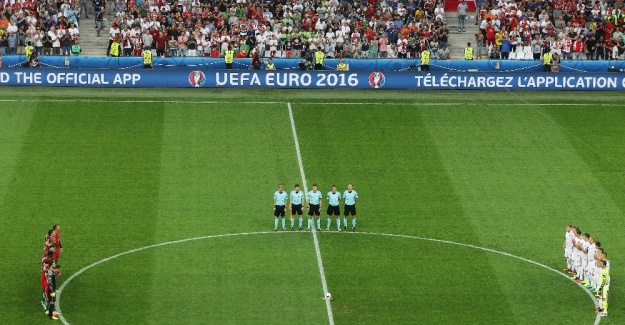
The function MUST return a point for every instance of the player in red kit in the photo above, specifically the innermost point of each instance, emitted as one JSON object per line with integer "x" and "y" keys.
{"x": 59, "y": 246}
{"x": 47, "y": 242}
{"x": 45, "y": 262}
{"x": 51, "y": 274}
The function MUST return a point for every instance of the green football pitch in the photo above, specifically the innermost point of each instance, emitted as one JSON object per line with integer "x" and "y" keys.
{"x": 165, "y": 202}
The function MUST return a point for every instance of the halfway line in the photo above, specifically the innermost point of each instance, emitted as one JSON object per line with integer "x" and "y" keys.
{"x": 314, "y": 231}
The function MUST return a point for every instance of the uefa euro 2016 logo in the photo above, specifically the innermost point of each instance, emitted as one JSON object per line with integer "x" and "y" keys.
{"x": 377, "y": 79}
{"x": 197, "y": 78}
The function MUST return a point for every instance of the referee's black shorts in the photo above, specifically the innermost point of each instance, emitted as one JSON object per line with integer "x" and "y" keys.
{"x": 314, "y": 210}
{"x": 280, "y": 211}
{"x": 350, "y": 209}
{"x": 334, "y": 210}
{"x": 296, "y": 209}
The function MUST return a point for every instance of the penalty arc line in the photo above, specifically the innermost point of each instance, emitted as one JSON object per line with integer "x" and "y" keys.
{"x": 322, "y": 274}
{"x": 79, "y": 272}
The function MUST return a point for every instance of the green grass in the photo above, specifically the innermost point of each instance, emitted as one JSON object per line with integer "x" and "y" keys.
{"x": 119, "y": 175}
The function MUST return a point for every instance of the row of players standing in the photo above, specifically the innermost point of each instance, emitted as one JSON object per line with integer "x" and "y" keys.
{"x": 50, "y": 270}
{"x": 314, "y": 203}
{"x": 588, "y": 264}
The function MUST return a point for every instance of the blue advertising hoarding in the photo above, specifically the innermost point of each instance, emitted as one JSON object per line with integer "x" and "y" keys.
{"x": 198, "y": 78}
{"x": 136, "y": 63}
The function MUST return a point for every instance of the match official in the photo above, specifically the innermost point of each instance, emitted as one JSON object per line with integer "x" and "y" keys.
{"x": 296, "y": 197}
{"x": 350, "y": 196}
{"x": 333, "y": 208}
{"x": 314, "y": 206}
{"x": 279, "y": 206}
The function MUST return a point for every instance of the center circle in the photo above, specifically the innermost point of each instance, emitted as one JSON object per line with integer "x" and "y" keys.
{"x": 237, "y": 272}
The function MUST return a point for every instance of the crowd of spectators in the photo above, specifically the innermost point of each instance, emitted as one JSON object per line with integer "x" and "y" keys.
{"x": 573, "y": 30}
{"x": 590, "y": 29}
{"x": 280, "y": 28}
{"x": 50, "y": 27}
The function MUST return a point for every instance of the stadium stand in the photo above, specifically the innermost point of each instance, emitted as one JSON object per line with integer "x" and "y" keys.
{"x": 574, "y": 30}
{"x": 350, "y": 29}
{"x": 341, "y": 28}
{"x": 51, "y": 27}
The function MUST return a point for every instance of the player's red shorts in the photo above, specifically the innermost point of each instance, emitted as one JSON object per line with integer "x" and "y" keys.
{"x": 56, "y": 254}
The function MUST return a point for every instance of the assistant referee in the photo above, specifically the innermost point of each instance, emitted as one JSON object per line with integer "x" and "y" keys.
{"x": 350, "y": 196}
{"x": 279, "y": 206}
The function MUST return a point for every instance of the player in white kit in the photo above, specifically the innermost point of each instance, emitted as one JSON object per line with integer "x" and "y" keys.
{"x": 590, "y": 264}
{"x": 568, "y": 247}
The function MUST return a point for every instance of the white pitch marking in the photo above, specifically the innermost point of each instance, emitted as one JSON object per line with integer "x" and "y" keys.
{"x": 64, "y": 321}
{"x": 322, "y": 273}
{"x": 66, "y": 282}
{"x": 86, "y": 100}
{"x": 597, "y": 319}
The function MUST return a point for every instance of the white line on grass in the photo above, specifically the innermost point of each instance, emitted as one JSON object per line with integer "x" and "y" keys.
{"x": 597, "y": 319}
{"x": 322, "y": 273}
{"x": 60, "y": 291}
{"x": 64, "y": 321}
{"x": 165, "y": 101}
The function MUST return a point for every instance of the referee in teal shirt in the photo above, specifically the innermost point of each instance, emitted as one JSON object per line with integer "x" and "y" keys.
{"x": 333, "y": 207}
{"x": 279, "y": 206}
{"x": 314, "y": 206}
{"x": 296, "y": 197}
{"x": 350, "y": 196}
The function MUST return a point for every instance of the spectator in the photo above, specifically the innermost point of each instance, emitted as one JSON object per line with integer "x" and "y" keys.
{"x": 47, "y": 43}
{"x": 479, "y": 45}
{"x": 601, "y": 49}
{"x": 38, "y": 43}
{"x": 172, "y": 44}
{"x": 443, "y": 53}
{"x": 76, "y": 48}
{"x": 21, "y": 40}
{"x": 161, "y": 43}
{"x": 373, "y": 49}
{"x": 4, "y": 44}
{"x": 66, "y": 43}
{"x": 383, "y": 46}
{"x": 505, "y": 48}
{"x": 462, "y": 15}
{"x": 83, "y": 6}
{"x": 589, "y": 48}
{"x": 99, "y": 19}
{"x": 114, "y": 31}
{"x": 537, "y": 48}
{"x": 192, "y": 46}
{"x": 127, "y": 44}
{"x": 12, "y": 43}
{"x": 182, "y": 44}
{"x": 578, "y": 49}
